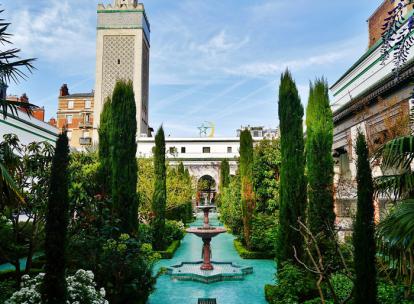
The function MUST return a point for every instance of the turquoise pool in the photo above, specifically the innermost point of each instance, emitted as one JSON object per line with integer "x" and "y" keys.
{"x": 249, "y": 291}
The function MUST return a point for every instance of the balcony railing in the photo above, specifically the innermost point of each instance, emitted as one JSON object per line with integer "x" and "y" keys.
{"x": 85, "y": 141}
{"x": 85, "y": 125}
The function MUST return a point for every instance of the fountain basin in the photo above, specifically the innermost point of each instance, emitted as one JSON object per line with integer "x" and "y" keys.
{"x": 206, "y": 232}
{"x": 222, "y": 271}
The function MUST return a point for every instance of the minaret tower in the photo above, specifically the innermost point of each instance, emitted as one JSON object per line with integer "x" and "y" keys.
{"x": 122, "y": 52}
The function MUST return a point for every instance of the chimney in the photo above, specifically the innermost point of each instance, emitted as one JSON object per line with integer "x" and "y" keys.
{"x": 377, "y": 20}
{"x": 64, "y": 90}
{"x": 52, "y": 122}
{"x": 24, "y": 98}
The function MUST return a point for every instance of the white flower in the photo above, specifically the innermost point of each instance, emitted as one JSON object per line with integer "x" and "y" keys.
{"x": 81, "y": 288}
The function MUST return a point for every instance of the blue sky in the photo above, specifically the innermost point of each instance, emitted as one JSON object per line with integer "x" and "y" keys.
{"x": 217, "y": 60}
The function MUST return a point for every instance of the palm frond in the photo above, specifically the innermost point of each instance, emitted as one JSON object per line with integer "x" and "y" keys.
{"x": 10, "y": 108}
{"x": 397, "y": 153}
{"x": 397, "y": 185}
{"x": 9, "y": 192}
{"x": 395, "y": 237}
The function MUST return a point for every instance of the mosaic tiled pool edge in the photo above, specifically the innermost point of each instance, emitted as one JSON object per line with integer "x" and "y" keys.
{"x": 223, "y": 271}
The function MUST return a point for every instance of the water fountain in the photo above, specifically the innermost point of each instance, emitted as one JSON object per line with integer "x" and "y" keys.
{"x": 206, "y": 233}
{"x": 207, "y": 271}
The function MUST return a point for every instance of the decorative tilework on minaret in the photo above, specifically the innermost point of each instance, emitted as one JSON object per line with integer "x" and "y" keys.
{"x": 122, "y": 52}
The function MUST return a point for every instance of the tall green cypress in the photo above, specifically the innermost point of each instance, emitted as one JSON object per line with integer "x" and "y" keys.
{"x": 181, "y": 169}
{"x": 224, "y": 174}
{"x": 123, "y": 157}
{"x": 159, "y": 199}
{"x": 364, "y": 229}
{"x": 105, "y": 148}
{"x": 246, "y": 177}
{"x": 292, "y": 171}
{"x": 54, "y": 290}
{"x": 319, "y": 140}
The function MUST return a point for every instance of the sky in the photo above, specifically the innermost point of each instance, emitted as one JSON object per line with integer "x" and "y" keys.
{"x": 213, "y": 61}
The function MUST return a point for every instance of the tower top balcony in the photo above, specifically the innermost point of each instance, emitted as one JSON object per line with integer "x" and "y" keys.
{"x": 122, "y": 5}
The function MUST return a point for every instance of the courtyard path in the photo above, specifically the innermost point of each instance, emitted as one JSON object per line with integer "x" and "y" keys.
{"x": 248, "y": 291}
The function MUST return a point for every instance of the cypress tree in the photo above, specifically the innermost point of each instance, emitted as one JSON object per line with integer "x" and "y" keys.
{"x": 292, "y": 177}
{"x": 364, "y": 229}
{"x": 54, "y": 290}
{"x": 180, "y": 169}
{"x": 159, "y": 199}
{"x": 319, "y": 140}
{"x": 246, "y": 177}
{"x": 123, "y": 152}
{"x": 105, "y": 148}
{"x": 224, "y": 174}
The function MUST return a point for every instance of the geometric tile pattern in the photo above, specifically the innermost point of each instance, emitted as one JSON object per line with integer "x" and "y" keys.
{"x": 118, "y": 61}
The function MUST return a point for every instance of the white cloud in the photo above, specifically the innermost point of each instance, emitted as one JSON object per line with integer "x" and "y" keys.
{"x": 62, "y": 32}
{"x": 260, "y": 69}
{"x": 221, "y": 43}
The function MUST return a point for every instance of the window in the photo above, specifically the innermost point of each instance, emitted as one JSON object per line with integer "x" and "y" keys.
{"x": 69, "y": 119}
{"x": 87, "y": 118}
{"x": 255, "y": 133}
{"x": 69, "y": 134}
{"x": 182, "y": 149}
{"x": 344, "y": 166}
{"x": 206, "y": 149}
{"x": 173, "y": 150}
{"x": 87, "y": 104}
{"x": 229, "y": 150}
{"x": 71, "y": 104}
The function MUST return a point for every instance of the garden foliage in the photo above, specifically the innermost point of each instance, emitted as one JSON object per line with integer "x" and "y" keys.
{"x": 123, "y": 152}
{"x": 319, "y": 140}
{"x": 159, "y": 198}
{"x": 292, "y": 171}
{"x": 54, "y": 289}
{"x": 246, "y": 182}
{"x": 364, "y": 229}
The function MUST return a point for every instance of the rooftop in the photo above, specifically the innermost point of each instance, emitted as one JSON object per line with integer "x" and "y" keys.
{"x": 77, "y": 95}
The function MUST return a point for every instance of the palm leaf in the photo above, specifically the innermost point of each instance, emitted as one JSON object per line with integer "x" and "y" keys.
{"x": 397, "y": 185}
{"x": 397, "y": 153}
{"x": 9, "y": 191}
{"x": 395, "y": 237}
{"x": 11, "y": 108}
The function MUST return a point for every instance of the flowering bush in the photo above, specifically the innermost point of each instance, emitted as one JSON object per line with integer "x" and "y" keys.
{"x": 126, "y": 269}
{"x": 81, "y": 289}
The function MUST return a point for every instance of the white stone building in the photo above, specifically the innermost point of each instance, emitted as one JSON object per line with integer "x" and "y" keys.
{"x": 28, "y": 129}
{"x": 201, "y": 156}
{"x": 370, "y": 98}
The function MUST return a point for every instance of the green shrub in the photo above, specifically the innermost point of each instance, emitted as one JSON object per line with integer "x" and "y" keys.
{"x": 145, "y": 233}
{"x": 391, "y": 294}
{"x": 318, "y": 301}
{"x": 126, "y": 270}
{"x": 264, "y": 233}
{"x": 169, "y": 252}
{"x": 173, "y": 231}
{"x": 230, "y": 210}
{"x": 183, "y": 213}
{"x": 7, "y": 288}
{"x": 6, "y": 275}
{"x": 342, "y": 286}
{"x": 295, "y": 285}
{"x": 251, "y": 255}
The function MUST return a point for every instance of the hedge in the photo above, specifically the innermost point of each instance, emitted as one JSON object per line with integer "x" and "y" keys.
{"x": 169, "y": 252}
{"x": 251, "y": 255}
{"x": 269, "y": 292}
